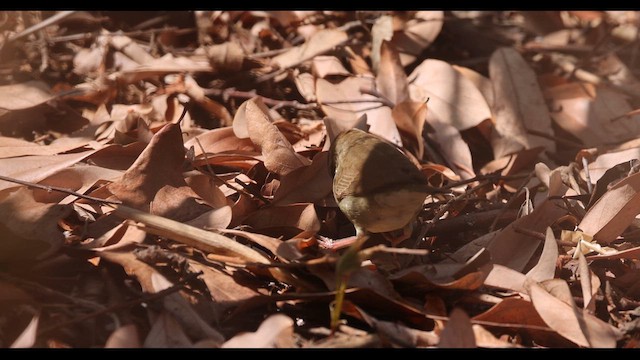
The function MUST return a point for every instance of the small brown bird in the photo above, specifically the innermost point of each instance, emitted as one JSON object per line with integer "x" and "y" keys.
{"x": 377, "y": 188}
{"x": 375, "y": 185}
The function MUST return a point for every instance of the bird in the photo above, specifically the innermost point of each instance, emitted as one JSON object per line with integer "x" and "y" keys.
{"x": 377, "y": 188}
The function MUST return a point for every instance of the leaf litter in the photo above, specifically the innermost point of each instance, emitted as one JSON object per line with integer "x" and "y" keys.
{"x": 165, "y": 181}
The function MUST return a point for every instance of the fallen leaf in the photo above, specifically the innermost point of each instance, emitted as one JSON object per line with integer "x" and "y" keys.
{"x": 323, "y": 66}
{"x": 321, "y": 42}
{"x": 28, "y": 229}
{"x": 514, "y": 249}
{"x": 545, "y": 269}
{"x": 452, "y": 97}
{"x": 458, "y": 332}
{"x": 276, "y": 331}
{"x": 166, "y": 332}
{"x": 307, "y": 184}
{"x": 572, "y": 323}
{"x": 23, "y": 96}
{"x": 418, "y": 33}
{"x": 124, "y": 337}
{"x": 519, "y": 105}
{"x": 28, "y": 337}
{"x": 391, "y": 80}
{"x": 279, "y": 156}
{"x": 346, "y": 103}
{"x": 614, "y": 211}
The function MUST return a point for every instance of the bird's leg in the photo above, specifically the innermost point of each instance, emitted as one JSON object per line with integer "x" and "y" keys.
{"x": 348, "y": 262}
{"x": 337, "y": 244}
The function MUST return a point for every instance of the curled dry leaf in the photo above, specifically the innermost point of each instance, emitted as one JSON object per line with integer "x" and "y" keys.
{"x": 418, "y": 33}
{"x": 452, "y": 147}
{"x": 545, "y": 269}
{"x": 569, "y": 321}
{"x": 452, "y": 97}
{"x": 614, "y": 211}
{"x": 519, "y": 105}
{"x": 279, "y": 156}
{"x": 276, "y": 331}
{"x": 219, "y": 140}
{"x": 306, "y": 184}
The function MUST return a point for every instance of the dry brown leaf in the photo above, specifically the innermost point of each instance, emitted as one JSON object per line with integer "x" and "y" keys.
{"x": 545, "y": 269}
{"x": 418, "y": 34}
{"x": 391, "y": 80}
{"x": 297, "y": 216}
{"x": 603, "y": 162}
{"x": 23, "y": 96}
{"x": 307, "y": 184}
{"x": 410, "y": 117}
{"x": 480, "y": 81}
{"x": 519, "y": 104}
{"x": 323, "y": 66}
{"x": 514, "y": 249}
{"x": 36, "y": 168}
{"x": 345, "y": 103}
{"x": 614, "y": 211}
{"x": 12, "y": 147}
{"x": 225, "y": 57}
{"x": 276, "y": 331}
{"x": 458, "y": 332}
{"x": 453, "y": 148}
{"x": 452, "y": 97}
{"x": 28, "y": 337}
{"x": 570, "y": 322}
{"x": 79, "y": 178}
{"x": 306, "y": 85}
{"x": 179, "y": 307}
{"x": 28, "y": 229}
{"x": 125, "y": 336}
{"x": 279, "y": 156}
{"x": 521, "y": 312}
{"x": 593, "y": 114}
{"x": 321, "y": 42}
{"x": 219, "y": 140}
{"x": 505, "y": 278}
{"x": 166, "y": 332}
{"x": 382, "y": 30}
{"x": 589, "y": 283}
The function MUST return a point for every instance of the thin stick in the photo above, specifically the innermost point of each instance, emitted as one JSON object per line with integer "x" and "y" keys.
{"x": 50, "y": 188}
{"x": 41, "y": 25}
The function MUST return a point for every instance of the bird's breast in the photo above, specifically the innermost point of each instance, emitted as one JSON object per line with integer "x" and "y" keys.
{"x": 383, "y": 211}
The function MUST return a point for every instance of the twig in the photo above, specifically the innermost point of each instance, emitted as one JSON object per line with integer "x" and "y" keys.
{"x": 566, "y": 142}
{"x": 49, "y": 188}
{"x": 256, "y": 194}
{"x": 231, "y": 92}
{"x": 41, "y": 25}
{"x": 133, "y": 302}
{"x": 41, "y": 289}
